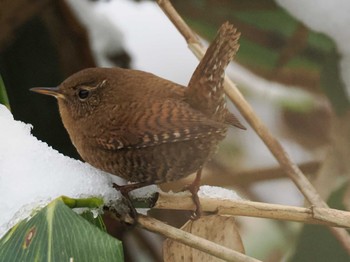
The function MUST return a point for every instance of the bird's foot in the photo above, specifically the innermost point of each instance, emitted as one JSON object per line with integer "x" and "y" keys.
{"x": 194, "y": 188}
{"x": 124, "y": 191}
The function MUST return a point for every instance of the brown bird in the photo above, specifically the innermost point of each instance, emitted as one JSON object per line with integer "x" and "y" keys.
{"x": 147, "y": 129}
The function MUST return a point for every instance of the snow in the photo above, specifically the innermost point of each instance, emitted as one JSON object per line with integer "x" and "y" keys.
{"x": 32, "y": 174}
{"x": 328, "y": 17}
{"x": 217, "y": 192}
{"x": 144, "y": 192}
{"x": 145, "y": 32}
{"x": 105, "y": 38}
{"x": 206, "y": 191}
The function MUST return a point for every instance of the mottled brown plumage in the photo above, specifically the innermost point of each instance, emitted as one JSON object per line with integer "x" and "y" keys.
{"x": 144, "y": 128}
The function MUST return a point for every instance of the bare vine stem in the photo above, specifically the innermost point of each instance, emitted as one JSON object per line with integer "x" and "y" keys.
{"x": 312, "y": 215}
{"x": 194, "y": 241}
{"x": 247, "y": 111}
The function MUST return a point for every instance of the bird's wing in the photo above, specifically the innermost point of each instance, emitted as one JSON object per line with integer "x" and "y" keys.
{"x": 160, "y": 122}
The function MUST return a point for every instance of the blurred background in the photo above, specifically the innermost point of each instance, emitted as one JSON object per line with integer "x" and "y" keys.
{"x": 289, "y": 73}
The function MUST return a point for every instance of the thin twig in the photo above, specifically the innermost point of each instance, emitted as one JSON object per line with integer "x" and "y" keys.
{"x": 313, "y": 215}
{"x": 184, "y": 237}
{"x": 248, "y": 177}
{"x": 191, "y": 240}
{"x": 247, "y": 111}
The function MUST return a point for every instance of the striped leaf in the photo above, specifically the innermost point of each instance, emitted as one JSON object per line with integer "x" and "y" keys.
{"x": 57, "y": 233}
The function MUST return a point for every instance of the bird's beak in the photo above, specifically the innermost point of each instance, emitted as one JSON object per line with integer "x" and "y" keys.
{"x": 51, "y": 91}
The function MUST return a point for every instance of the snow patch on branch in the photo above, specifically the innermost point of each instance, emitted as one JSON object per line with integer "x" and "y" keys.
{"x": 217, "y": 192}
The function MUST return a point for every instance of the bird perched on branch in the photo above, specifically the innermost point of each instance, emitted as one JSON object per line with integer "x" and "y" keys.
{"x": 147, "y": 129}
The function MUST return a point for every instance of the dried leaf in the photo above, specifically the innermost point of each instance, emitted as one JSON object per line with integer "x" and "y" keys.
{"x": 219, "y": 229}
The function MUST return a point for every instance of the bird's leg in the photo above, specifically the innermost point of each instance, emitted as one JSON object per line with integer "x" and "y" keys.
{"x": 125, "y": 190}
{"x": 193, "y": 188}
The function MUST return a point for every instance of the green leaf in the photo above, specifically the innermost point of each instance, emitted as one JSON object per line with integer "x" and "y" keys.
{"x": 337, "y": 197}
{"x": 332, "y": 83}
{"x": 97, "y": 221}
{"x": 57, "y": 233}
{"x": 3, "y": 95}
{"x": 91, "y": 202}
{"x": 317, "y": 243}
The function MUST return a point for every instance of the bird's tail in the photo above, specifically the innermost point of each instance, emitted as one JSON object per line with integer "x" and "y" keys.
{"x": 205, "y": 90}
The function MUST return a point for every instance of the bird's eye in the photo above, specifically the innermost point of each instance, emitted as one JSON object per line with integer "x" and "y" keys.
{"x": 83, "y": 94}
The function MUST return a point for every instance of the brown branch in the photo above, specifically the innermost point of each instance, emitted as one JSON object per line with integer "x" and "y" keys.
{"x": 191, "y": 240}
{"x": 247, "y": 111}
{"x": 179, "y": 235}
{"x": 313, "y": 215}
{"x": 248, "y": 177}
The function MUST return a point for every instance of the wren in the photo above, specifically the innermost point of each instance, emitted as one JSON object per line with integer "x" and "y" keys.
{"x": 144, "y": 128}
